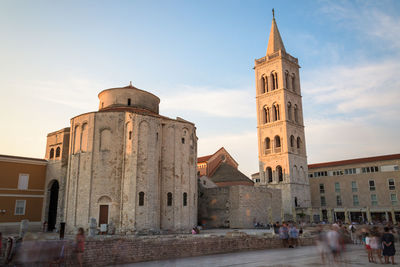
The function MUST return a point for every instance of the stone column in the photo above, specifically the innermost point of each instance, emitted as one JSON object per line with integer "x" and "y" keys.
{"x": 329, "y": 212}
{"x": 393, "y": 216}
{"x": 369, "y": 219}
{"x": 310, "y": 213}
{"x": 346, "y": 216}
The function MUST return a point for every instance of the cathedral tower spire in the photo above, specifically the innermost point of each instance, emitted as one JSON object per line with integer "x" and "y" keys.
{"x": 280, "y": 127}
{"x": 275, "y": 42}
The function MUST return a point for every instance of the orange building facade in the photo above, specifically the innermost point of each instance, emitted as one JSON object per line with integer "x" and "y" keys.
{"x": 22, "y": 183}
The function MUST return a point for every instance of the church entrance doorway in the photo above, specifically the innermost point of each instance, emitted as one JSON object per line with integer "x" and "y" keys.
{"x": 52, "y": 215}
{"x": 103, "y": 214}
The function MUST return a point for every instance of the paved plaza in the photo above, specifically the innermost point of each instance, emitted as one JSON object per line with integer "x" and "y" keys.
{"x": 355, "y": 255}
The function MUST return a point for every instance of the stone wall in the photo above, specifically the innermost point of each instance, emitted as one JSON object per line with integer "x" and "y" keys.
{"x": 239, "y": 206}
{"x": 104, "y": 251}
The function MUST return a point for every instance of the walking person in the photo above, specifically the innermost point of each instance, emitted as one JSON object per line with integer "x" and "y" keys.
{"x": 388, "y": 245}
{"x": 293, "y": 236}
{"x": 80, "y": 245}
{"x": 321, "y": 243}
{"x": 368, "y": 247}
{"x": 376, "y": 245}
{"x": 284, "y": 235}
{"x": 333, "y": 238}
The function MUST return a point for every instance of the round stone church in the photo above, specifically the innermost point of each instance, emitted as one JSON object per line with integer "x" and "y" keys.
{"x": 124, "y": 165}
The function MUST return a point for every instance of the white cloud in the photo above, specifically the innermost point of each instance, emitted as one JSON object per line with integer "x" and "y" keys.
{"x": 218, "y": 102}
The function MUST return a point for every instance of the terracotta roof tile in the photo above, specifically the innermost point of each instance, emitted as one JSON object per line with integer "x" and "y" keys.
{"x": 353, "y": 161}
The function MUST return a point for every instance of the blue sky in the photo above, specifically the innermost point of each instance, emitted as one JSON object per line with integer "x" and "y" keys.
{"x": 197, "y": 56}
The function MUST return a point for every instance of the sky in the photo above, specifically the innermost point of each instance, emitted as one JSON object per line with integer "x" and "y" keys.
{"x": 198, "y": 57}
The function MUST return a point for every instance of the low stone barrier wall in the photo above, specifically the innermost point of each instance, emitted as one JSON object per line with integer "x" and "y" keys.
{"x": 111, "y": 250}
{"x": 103, "y": 252}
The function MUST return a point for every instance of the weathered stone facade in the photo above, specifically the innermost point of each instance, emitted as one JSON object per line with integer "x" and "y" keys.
{"x": 130, "y": 166}
{"x": 239, "y": 206}
{"x": 280, "y": 126}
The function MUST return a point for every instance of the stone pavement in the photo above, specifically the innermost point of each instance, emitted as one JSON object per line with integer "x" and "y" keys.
{"x": 355, "y": 255}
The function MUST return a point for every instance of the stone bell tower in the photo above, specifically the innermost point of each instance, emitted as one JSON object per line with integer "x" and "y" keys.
{"x": 280, "y": 128}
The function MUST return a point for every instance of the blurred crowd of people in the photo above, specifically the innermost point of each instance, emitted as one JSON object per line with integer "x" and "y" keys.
{"x": 378, "y": 241}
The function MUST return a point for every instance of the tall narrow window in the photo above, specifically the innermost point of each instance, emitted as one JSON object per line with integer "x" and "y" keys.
{"x": 296, "y": 114}
{"x": 23, "y": 181}
{"x": 354, "y": 186}
{"x": 269, "y": 174}
{"x": 298, "y": 142}
{"x": 289, "y": 111}
{"x": 295, "y": 202}
{"x": 291, "y": 141}
{"x": 267, "y": 143}
{"x": 276, "y": 80}
{"x": 293, "y": 83}
{"x": 20, "y": 207}
{"x": 58, "y": 150}
{"x": 277, "y": 141}
{"x": 266, "y": 84}
{"x": 337, "y": 187}
{"x": 393, "y": 199}
{"x": 391, "y": 184}
{"x": 52, "y": 153}
{"x": 129, "y": 101}
{"x": 185, "y": 199}
{"x": 321, "y": 188}
{"x": 266, "y": 115}
{"x": 371, "y": 185}
{"x": 323, "y": 201}
{"x": 169, "y": 199}
{"x": 273, "y": 81}
{"x": 141, "y": 198}
{"x": 279, "y": 173}
{"x": 262, "y": 85}
{"x": 355, "y": 200}
{"x": 338, "y": 200}
{"x": 374, "y": 200}
{"x": 287, "y": 79}
{"x": 130, "y": 135}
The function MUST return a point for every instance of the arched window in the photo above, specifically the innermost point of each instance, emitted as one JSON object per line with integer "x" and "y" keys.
{"x": 277, "y": 141}
{"x": 293, "y": 83}
{"x": 289, "y": 111}
{"x": 279, "y": 173}
{"x": 274, "y": 80}
{"x": 296, "y": 114}
{"x": 269, "y": 174}
{"x": 298, "y": 142}
{"x": 266, "y": 115}
{"x": 266, "y": 89}
{"x": 275, "y": 111}
{"x": 262, "y": 85}
{"x": 169, "y": 199}
{"x": 58, "y": 151}
{"x": 287, "y": 79}
{"x": 52, "y": 153}
{"x": 185, "y": 199}
{"x": 267, "y": 143}
{"x": 141, "y": 198}
{"x": 291, "y": 141}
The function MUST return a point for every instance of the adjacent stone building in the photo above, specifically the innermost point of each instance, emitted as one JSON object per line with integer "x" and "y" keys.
{"x": 362, "y": 189}
{"x": 228, "y": 198}
{"x": 124, "y": 165}
{"x": 280, "y": 127}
